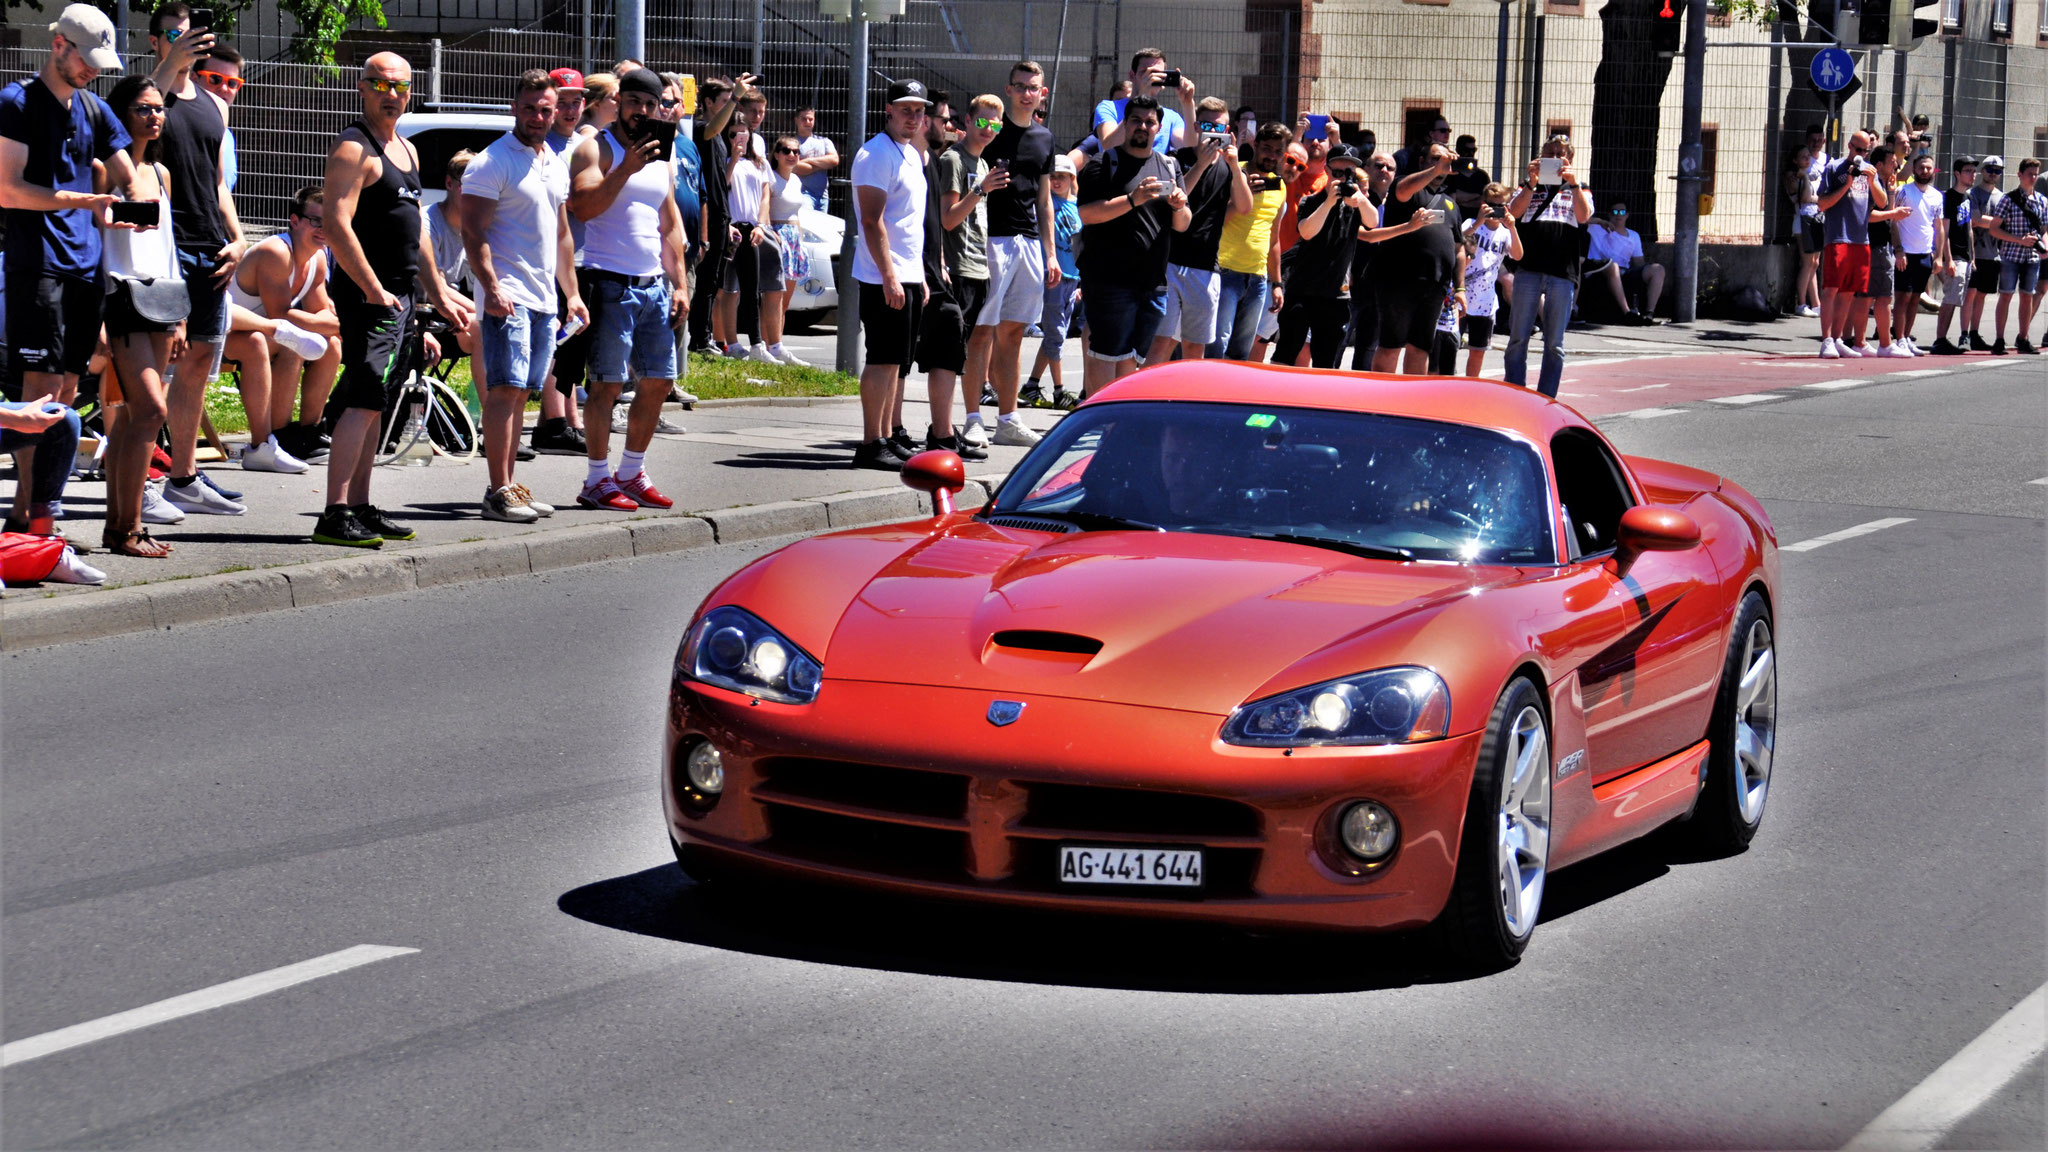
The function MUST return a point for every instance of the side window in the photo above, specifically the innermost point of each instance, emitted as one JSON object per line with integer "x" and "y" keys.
{"x": 1591, "y": 488}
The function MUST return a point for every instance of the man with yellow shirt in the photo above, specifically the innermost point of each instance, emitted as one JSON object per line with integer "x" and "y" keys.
{"x": 1249, "y": 254}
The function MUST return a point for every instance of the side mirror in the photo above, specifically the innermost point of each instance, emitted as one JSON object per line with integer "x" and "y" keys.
{"x": 942, "y": 473}
{"x": 1649, "y": 528}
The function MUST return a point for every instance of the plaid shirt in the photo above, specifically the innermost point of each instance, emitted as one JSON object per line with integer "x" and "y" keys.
{"x": 2012, "y": 217}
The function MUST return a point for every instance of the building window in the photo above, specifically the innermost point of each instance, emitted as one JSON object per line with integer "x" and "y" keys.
{"x": 2001, "y": 17}
{"x": 2042, "y": 9}
{"x": 1558, "y": 128}
{"x": 1952, "y": 15}
{"x": 1565, "y": 7}
{"x": 1710, "y": 148}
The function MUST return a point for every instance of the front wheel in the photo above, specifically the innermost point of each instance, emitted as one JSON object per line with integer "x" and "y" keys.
{"x": 1743, "y": 735}
{"x": 1504, "y": 853}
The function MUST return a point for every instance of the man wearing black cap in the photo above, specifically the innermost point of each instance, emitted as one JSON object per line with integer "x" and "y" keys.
{"x": 890, "y": 190}
{"x": 1317, "y": 308}
{"x": 1421, "y": 265}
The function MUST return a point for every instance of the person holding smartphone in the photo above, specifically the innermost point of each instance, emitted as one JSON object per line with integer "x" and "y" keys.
{"x": 1551, "y": 218}
{"x": 1217, "y": 189}
{"x": 1419, "y": 267}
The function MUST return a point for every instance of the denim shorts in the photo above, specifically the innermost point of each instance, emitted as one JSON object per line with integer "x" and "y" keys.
{"x": 2024, "y": 278}
{"x": 629, "y": 328}
{"x": 1191, "y": 298}
{"x": 207, "y": 323}
{"x": 517, "y": 349}
{"x": 1121, "y": 320}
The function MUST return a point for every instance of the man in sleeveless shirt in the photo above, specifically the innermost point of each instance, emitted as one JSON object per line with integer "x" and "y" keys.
{"x": 625, "y": 193}
{"x": 382, "y": 259}
{"x": 209, "y": 240}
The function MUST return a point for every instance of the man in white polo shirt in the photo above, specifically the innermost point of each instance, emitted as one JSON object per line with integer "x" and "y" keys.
{"x": 515, "y": 228}
{"x": 889, "y": 190}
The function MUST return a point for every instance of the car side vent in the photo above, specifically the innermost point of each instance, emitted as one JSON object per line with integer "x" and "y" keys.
{"x": 1033, "y": 523}
{"x": 1048, "y": 642}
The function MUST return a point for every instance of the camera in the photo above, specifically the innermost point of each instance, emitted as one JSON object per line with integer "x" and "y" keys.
{"x": 1497, "y": 211}
{"x": 1171, "y": 79}
{"x": 1347, "y": 187}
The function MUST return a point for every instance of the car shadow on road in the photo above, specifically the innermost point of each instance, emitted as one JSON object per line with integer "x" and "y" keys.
{"x": 828, "y": 926}
{"x": 1620, "y": 870}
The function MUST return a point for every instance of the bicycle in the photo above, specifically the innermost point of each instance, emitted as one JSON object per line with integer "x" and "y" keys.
{"x": 445, "y": 421}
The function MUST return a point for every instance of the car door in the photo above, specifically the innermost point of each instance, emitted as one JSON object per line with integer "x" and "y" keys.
{"x": 1648, "y": 633}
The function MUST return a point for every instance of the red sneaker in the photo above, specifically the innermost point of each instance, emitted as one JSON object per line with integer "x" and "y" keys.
{"x": 605, "y": 494}
{"x": 647, "y": 494}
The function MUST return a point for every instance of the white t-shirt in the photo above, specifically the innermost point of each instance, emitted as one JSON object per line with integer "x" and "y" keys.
{"x": 743, "y": 195}
{"x": 529, "y": 185}
{"x": 1815, "y": 165}
{"x": 1619, "y": 246}
{"x": 450, "y": 258}
{"x": 1915, "y": 231}
{"x": 1482, "y": 271}
{"x": 786, "y": 198}
{"x": 898, "y": 170}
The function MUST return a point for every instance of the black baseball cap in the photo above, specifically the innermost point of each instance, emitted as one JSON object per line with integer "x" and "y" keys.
{"x": 904, "y": 90}
{"x": 1342, "y": 153}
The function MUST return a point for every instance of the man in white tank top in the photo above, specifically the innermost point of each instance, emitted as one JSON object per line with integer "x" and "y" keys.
{"x": 623, "y": 190}
{"x": 281, "y": 324}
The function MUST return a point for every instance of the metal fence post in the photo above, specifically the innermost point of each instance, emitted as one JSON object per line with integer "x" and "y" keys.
{"x": 760, "y": 35}
{"x": 631, "y": 33}
{"x": 434, "y": 75}
{"x": 1686, "y": 233}
{"x": 848, "y": 357}
{"x": 589, "y": 35}
{"x": 1500, "y": 88}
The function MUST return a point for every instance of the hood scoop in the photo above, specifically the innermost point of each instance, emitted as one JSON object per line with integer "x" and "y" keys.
{"x": 1065, "y": 643}
{"x": 1033, "y": 523}
{"x": 1026, "y": 651}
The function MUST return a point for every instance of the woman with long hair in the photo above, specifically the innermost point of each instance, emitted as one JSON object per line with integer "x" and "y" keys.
{"x": 786, "y": 201}
{"x": 141, "y": 348}
{"x": 746, "y": 206}
{"x": 600, "y": 103}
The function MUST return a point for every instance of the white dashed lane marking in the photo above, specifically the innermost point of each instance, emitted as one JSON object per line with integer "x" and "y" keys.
{"x": 193, "y": 1003}
{"x": 1831, "y": 385}
{"x": 1752, "y": 398}
{"x": 1970, "y": 1078}
{"x": 1918, "y": 372}
{"x": 2042, "y": 480}
{"x": 1653, "y": 413}
{"x": 1847, "y": 534}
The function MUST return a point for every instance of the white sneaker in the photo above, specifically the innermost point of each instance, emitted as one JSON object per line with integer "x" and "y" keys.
{"x": 299, "y": 342}
{"x": 1849, "y": 351}
{"x": 71, "y": 570}
{"x": 269, "y": 457}
{"x": 526, "y": 495}
{"x": 760, "y": 352}
{"x": 975, "y": 434}
{"x": 1013, "y": 434}
{"x": 680, "y": 396}
{"x": 788, "y": 357}
{"x": 156, "y": 509}
{"x": 1914, "y": 347}
{"x": 619, "y": 417}
{"x": 505, "y": 504}
{"x": 197, "y": 497}
{"x": 1829, "y": 350}
{"x": 1896, "y": 352}
{"x": 1806, "y": 310}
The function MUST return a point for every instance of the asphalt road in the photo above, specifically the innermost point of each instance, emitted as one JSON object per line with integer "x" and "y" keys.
{"x": 469, "y": 772}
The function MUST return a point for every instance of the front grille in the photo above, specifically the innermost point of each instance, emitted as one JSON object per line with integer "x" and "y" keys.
{"x": 1108, "y": 811}
{"x": 874, "y": 787}
{"x": 868, "y": 845}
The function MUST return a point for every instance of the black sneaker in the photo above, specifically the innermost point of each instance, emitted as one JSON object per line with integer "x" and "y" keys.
{"x": 522, "y": 453}
{"x": 901, "y": 443}
{"x": 376, "y": 521}
{"x": 2024, "y": 348}
{"x": 338, "y": 525}
{"x": 1032, "y": 396}
{"x": 554, "y": 437}
{"x": 988, "y": 395}
{"x": 1063, "y": 399}
{"x": 1945, "y": 347}
{"x": 953, "y": 444}
{"x": 1977, "y": 343}
{"x": 1998, "y": 347}
{"x": 877, "y": 454}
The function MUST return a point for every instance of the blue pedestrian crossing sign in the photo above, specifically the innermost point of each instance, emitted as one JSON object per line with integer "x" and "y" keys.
{"x": 1833, "y": 69}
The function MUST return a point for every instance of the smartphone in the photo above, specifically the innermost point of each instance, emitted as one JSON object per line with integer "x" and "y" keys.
{"x": 139, "y": 212}
{"x": 664, "y": 131}
{"x": 1497, "y": 211}
{"x": 1549, "y": 170}
{"x": 1318, "y": 125}
{"x": 1000, "y": 166}
{"x": 202, "y": 18}
{"x": 1171, "y": 79}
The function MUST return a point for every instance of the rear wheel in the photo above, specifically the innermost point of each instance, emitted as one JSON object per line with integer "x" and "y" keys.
{"x": 1504, "y": 854}
{"x": 1743, "y": 735}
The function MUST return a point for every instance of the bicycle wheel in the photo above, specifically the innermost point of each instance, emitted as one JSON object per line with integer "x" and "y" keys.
{"x": 448, "y": 422}
{"x": 391, "y": 437}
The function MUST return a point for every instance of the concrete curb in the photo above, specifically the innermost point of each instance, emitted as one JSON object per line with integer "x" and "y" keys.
{"x": 178, "y": 603}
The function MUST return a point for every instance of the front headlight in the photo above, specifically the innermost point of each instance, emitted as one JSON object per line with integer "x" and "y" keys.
{"x": 735, "y": 649}
{"x": 1390, "y": 706}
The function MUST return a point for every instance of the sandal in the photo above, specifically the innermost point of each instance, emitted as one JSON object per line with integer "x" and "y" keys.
{"x": 140, "y": 544}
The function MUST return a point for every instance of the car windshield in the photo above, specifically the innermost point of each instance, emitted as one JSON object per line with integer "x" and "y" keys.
{"x": 1351, "y": 481}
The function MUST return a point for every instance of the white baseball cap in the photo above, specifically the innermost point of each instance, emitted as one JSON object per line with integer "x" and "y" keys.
{"x": 89, "y": 31}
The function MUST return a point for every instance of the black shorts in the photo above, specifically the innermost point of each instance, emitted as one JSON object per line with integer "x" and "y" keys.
{"x": 1478, "y": 331}
{"x": 948, "y": 321}
{"x": 1443, "y": 353}
{"x": 1812, "y": 238}
{"x": 1983, "y": 278}
{"x": 378, "y": 349}
{"x": 123, "y": 320}
{"x": 891, "y": 333}
{"x": 1883, "y": 266}
{"x": 1919, "y": 270}
{"x": 572, "y": 356}
{"x": 1408, "y": 314}
{"x": 53, "y": 322}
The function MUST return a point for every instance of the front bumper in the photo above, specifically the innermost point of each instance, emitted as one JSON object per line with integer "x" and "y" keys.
{"x": 909, "y": 789}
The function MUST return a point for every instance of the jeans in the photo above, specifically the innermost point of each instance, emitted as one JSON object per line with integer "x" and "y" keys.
{"x": 630, "y": 336}
{"x": 517, "y": 349}
{"x": 1555, "y": 314}
{"x": 1240, "y": 306}
{"x": 56, "y": 447}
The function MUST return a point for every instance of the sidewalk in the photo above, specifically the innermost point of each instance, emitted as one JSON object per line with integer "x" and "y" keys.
{"x": 744, "y": 469}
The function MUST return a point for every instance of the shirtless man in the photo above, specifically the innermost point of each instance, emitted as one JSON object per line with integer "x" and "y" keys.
{"x": 282, "y": 322}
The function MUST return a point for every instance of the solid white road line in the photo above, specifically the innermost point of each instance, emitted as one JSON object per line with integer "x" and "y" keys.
{"x": 1926, "y": 1114}
{"x": 1752, "y": 398}
{"x": 1831, "y": 385}
{"x": 1644, "y": 387}
{"x": 192, "y": 1003}
{"x": 1847, "y": 534}
{"x": 1652, "y": 413}
{"x": 1920, "y": 372}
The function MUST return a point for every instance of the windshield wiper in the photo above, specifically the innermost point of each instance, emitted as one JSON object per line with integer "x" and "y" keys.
{"x": 1336, "y": 543}
{"x": 1092, "y": 521}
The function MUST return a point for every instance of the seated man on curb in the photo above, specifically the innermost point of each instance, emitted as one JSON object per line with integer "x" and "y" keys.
{"x": 281, "y": 322}
{"x": 1616, "y": 260}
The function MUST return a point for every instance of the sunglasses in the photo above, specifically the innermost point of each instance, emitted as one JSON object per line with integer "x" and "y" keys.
{"x": 231, "y": 83}
{"x": 988, "y": 125}
{"x": 670, "y": 103}
{"x": 146, "y": 110}
{"x": 1617, "y": 211}
{"x": 391, "y": 87}
{"x": 789, "y": 152}
{"x": 170, "y": 35}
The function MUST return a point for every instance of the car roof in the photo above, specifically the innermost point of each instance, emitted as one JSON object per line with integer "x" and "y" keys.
{"x": 413, "y": 122}
{"x": 1468, "y": 400}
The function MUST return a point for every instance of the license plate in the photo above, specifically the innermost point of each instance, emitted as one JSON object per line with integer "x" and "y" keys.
{"x": 1159, "y": 867}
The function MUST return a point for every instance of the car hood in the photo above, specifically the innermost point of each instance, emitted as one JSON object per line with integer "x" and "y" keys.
{"x": 1159, "y": 619}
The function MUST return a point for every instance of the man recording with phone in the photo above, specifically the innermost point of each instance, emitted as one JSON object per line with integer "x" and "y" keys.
{"x": 1552, "y": 208}
{"x": 1317, "y": 307}
{"x": 1151, "y": 77}
{"x": 1130, "y": 199}
{"x": 1419, "y": 265}
{"x": 1217, "y": 189}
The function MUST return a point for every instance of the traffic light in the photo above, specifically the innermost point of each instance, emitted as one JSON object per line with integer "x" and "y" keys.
{"x": 1670, "y": 24}
{"x": 1908, "y": 28}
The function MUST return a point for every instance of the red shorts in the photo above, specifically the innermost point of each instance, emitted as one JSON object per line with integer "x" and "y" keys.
{"x": 1846, "y": 268}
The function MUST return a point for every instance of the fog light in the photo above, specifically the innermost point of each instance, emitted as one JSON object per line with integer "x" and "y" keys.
{"x": 706, "y": 769}
{"x": 1368, "y": 831}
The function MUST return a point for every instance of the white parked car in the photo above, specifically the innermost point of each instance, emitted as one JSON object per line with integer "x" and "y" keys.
{"x": 824, "y": 233}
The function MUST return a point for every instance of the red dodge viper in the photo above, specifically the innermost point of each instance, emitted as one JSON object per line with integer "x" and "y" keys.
{"x": 1248, "y": 644}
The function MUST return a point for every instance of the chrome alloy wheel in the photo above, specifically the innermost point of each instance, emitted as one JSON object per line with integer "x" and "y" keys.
{"x": 1523, "y": 838}
{"x": 1756, "y": 721}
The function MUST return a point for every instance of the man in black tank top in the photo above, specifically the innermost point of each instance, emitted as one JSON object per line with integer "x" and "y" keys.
{"x": 382, "y": 259}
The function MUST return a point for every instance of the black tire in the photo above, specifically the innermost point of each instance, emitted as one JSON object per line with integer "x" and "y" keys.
{"x": 1474, "y": 927}
{"x": 1731, "y": 803}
